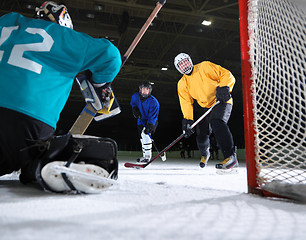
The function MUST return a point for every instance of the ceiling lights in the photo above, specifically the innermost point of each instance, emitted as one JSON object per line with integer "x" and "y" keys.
{"x": 206, "y": 23}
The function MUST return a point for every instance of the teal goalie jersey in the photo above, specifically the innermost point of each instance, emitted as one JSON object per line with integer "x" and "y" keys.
{"x": 39, "y": 61}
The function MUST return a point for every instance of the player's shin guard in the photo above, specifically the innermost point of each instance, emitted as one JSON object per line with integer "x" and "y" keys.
{"x": 146, "y": 143}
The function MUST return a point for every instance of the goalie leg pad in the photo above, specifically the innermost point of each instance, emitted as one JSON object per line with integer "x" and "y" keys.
{"x": 74, "y": 180}
{"x": 82, "y": 158}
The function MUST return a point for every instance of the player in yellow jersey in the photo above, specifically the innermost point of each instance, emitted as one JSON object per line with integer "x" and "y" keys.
{"x": 200, "y": 87}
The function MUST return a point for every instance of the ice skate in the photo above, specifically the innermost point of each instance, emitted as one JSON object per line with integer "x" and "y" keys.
{"x": 229, "y": 165}
{"x": 78, "y": 177}
{"x": 204, "y": 160}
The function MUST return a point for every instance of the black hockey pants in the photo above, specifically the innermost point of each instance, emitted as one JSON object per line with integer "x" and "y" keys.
{"x": 216, "y": 122}
{"x": 17, "y": 132}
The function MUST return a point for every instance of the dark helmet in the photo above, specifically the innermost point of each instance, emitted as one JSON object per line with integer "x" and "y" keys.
{"x": 54, "y": 12}
{"x": 147, "y": 85}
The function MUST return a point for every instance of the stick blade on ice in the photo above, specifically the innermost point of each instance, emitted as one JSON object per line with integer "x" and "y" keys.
{"x": 134, "y": 165}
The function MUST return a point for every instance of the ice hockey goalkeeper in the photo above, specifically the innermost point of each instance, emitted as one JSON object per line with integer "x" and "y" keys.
{"x": 39, "y": 59}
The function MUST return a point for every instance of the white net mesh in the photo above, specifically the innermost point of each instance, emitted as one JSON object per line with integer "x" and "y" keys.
{"x": 277, "y": 30}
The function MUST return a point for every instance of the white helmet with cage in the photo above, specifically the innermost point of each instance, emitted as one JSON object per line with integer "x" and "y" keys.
{"x": 54, "y": 12}
{"x": 183, "y": 63}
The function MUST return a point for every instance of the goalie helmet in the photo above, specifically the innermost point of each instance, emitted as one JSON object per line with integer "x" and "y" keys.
{"x": 145, "y": 89}
{"x": 54, "y": 12}
{"x": 183, "y": 63}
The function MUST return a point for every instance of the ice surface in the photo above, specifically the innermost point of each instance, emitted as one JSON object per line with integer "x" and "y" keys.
{"x": 167, "y": 200}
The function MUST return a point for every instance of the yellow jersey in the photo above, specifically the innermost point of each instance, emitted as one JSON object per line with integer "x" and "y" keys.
{"x": 201, "y": 86}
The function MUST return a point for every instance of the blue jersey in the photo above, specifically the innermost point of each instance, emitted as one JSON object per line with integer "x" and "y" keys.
{"x": 39, "y": 61}
{"x": 149, "y": 108}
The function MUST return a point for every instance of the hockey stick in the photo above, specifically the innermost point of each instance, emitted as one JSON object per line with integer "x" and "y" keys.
{"x": 163, "y": 155}
{"x": 88, "y": 113}
{"x": 141, "y": 165}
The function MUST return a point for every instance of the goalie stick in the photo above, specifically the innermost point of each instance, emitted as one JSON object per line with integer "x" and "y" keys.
{"x": 144, "y": 165}
{"x": 88, "y": 113}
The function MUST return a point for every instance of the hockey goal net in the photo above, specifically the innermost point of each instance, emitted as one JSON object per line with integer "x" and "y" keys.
{"x": 273, "y": 58}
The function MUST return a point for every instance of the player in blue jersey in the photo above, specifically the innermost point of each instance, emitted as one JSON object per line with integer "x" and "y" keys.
{"x": 145, "y": 108}
{"x": 39, "y": 59}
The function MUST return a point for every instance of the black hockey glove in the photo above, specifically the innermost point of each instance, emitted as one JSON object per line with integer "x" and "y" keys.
{"x": 186, "y": 126}
{"x": 149, "y": 128}
{"x": 136, "y": 112}
{"x": 223, "y": 94}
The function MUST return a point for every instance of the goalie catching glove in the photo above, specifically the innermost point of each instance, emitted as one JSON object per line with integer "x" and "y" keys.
{"x": 97, "y": 94}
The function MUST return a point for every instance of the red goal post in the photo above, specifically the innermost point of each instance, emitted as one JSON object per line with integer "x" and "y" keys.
{"x": 273, "y": 61}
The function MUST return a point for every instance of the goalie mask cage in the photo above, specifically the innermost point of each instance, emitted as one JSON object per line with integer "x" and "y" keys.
{"x": 273, "y": 60}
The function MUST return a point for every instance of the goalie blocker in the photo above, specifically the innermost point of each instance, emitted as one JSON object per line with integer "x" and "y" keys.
{"x": 99, "y": 95}
{"x": 74, "y": 163}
